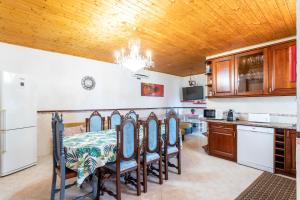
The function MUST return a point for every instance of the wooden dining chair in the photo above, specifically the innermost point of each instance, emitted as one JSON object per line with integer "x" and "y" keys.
{"x": 59, "y": 168}
{"x": 95, "y": 122}
{"x": 132, "y": 115}
{"x": 172, "y": 110}
{"x": 128, "y": 158}
{"x": 171, "y": 145}
{"x": 152, "y": 149}
{"x": 114, "y": 119}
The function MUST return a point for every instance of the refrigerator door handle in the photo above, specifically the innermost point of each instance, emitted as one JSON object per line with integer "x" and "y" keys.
{"x": 3, "y": 120}
{"x": 3, "y": 141}
{"x": 3, "y": 131}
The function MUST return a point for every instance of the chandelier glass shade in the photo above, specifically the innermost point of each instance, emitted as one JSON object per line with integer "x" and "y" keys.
{"x": 134, "y": 61}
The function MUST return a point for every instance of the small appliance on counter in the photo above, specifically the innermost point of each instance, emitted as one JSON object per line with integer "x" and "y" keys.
{"x": 209, "y": 113}
{"x": 213, "y": 114}
{"x": 231, "y": 116}
{"x": 258, "y": 117}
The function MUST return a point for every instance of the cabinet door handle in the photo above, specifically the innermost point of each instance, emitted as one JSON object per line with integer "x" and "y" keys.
{"x": 270, "y": 90}
{"x": 218, "y": 127}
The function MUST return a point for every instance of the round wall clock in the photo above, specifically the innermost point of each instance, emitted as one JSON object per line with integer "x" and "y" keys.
{"x": 88, "y": 82}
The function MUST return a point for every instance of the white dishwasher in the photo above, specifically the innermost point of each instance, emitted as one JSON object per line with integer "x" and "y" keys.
{"x": 255, "y": 147}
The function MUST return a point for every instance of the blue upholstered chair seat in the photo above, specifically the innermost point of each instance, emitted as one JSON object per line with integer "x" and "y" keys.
{"x": 124, "y": 165}
{"x": 151, "y": 156}
{"x": 172, "y": 150}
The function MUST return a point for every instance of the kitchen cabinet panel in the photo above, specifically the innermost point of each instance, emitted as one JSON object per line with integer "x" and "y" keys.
{"x": 285, "y": 152}
{"x": 223, "y": 76}
{"x": 251, "y": 72}
{"x": 282, "y": 69}
{"x": 290, "y": 152}
{"x": 222, "y": 140}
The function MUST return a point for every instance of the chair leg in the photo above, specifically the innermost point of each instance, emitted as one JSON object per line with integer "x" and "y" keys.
{"x": 179, "y": 162}
{"x": 99, "y": 184}
{"x": 160, "y": 172}
{"x": 62, "y": 187}
{"x": 145, "y": 176}
{"x": 166, "y": 168}
{"x": 138, "y": 180}
{"x": 94, "y": 186}
{"x": 53, "y": 188}
{"x": 118, "y": 185}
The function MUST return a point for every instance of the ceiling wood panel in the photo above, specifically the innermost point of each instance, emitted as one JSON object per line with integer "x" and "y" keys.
{"x": 179, "y": 32}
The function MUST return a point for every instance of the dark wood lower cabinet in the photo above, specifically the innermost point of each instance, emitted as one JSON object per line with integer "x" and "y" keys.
{"x": 222, "y": 140}
{"x": 285, "y": 152}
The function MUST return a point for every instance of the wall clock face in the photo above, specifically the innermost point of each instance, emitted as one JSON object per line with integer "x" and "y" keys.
{"x": 88, "y": 82}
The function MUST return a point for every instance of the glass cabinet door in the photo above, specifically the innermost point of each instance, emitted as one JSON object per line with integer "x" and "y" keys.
{"x": 250, "y": 68}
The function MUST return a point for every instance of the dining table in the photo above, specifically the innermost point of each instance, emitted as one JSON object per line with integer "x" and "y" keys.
{"x": 85, "y": 152}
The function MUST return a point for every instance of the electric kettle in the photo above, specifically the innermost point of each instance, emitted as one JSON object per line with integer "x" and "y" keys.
{"x": 230, "y": 115}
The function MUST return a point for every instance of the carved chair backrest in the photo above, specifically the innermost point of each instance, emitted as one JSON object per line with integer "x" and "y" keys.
{"x": 57, "y": 139}
{"x": 132, "y": 115}
{"x": 172, "y": 129}
{"x": 152, "y": 135}
{"x": 128, "y": 141}
{"x": 114, "y": 119}
{"x": 95, "y": 122}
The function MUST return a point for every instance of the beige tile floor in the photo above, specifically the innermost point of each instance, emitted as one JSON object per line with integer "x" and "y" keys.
{"x": 203, "y": 177}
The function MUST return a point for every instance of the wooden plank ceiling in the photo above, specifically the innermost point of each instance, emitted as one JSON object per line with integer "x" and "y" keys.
{"x": 179, "y": 32}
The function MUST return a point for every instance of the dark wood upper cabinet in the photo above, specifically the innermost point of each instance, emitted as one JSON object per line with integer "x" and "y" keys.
{"x": 268, "y": 71}
{"x": 282, "y": 69}
{"x": 223, "y": 76}
{"x": 251, "y": 72}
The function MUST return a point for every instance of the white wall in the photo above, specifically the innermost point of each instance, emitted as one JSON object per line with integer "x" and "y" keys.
{"x": 57, "y": 78}
{"x": 200, "y": 80}
{"x": 58, "y": 81}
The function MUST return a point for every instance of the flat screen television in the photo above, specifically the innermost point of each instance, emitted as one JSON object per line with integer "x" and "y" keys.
{"x": 192, "y": 93}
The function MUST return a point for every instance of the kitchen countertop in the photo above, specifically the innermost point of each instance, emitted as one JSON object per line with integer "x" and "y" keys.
{"x": 258, "y": 124}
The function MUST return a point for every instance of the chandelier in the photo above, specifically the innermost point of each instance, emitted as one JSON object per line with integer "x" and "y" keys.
{"x": 134, "y": 61}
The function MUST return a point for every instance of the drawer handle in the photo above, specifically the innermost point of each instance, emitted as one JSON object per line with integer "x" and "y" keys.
{"x": 225, "y": 127}
{"x": 218, "y": 126}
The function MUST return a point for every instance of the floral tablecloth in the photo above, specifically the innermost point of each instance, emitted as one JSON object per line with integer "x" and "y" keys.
{"x": 88, "y": 151}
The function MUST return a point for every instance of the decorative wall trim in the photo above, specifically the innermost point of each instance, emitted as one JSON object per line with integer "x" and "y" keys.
{"x": 112, "y": 109}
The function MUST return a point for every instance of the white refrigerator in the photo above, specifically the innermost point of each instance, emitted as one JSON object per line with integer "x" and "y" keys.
{"x": 18, "y": 117}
